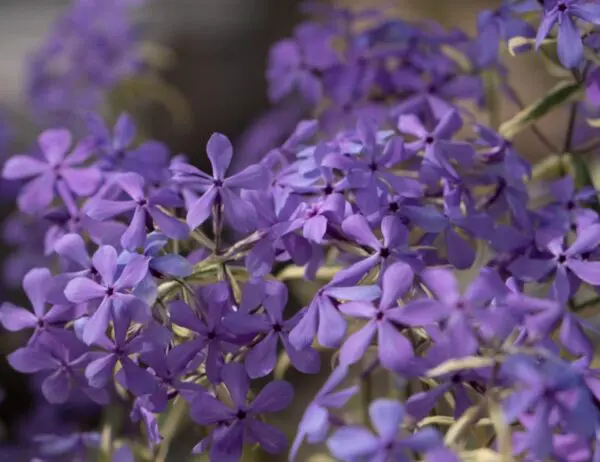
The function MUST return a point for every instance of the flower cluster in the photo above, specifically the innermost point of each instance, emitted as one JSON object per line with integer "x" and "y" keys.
{"x": 90, "y": 48}
{"x": 443, "y": 264}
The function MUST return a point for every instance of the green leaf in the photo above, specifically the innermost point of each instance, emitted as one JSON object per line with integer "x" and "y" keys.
{"x": 492, "y": 100}
{"x": 556, "y": 97}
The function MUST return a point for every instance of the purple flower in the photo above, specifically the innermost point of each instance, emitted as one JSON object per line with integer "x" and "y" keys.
{"x": 496, "y": 25}
{"x": 565, "y": 262}
{"x": 112, "y": 146}
{"x": 72, "y": 219}
{"x": 112, "y": 291}
{"x": 218, "y": 189}
{"x": 353, "y": 443}
{"x": 323, "y": 318}
{"x": 419, "y": 405}
{"x": 91, "y": 47}
{"x": 146, "y": 208}
{"x": 555, "y": 394}
{"x": 394, "y": 350}
{"x": 459, "y": 313}
{"x": 370, "y": 173}
{"x": 43, "y": 320}
{"x": 148, "y": 418}
{"x": 314, "y": 217}
{"x": 57, "y": 168}
{"x": 262, "y": 358}
{"x": 161, "y": 265}
{"x": 66, "y": 358}
{"x": 119, "y": 350}
{"x": 240, "y": 422}
{"x": 393, "y": 248}
{"x": 563, "y": 12}
{"x": 569, "y": 211}
{"x": 459, "y": 251}
{"x": 440, "y": 150}
{"x": 315, "y": 421}
{"x": 168, "y": 375}
{"x": 296, "y": 64}
{"x": 211, "y": 337}
{"x": 150, "y": 159}
{"x": 543, "y": 316}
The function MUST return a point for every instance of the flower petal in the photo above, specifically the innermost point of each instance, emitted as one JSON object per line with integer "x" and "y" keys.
{"x": 261, "y": 360}
{"x": 200, "y": 210}
{"x": 57, "y": 387}
{"x": 81, "y": 290}
{"x": 274, "y": 397}
{"x": 95, "y": 327}
{"x": 353, "y": 443}
{"x": 386, "y": 416}
{"x": 253, "y": 177}
{"x": 396, "y": 281}
{"x": 14, "y": 318}
{"x": 570, "y": 45}
{"x": 101, "y": 209}
{"x": 355, "y": 345}
{"x": 588, "y": 271}
{"x": 105, "y": 262}
{"x": 19, "y": 167}
{"x": 170, "y": 226}
{"x": 395, "y": 351}
{"x": 54, "y": 144}
{"x": 220, "y": 152}
{"x": 35, "y": 284}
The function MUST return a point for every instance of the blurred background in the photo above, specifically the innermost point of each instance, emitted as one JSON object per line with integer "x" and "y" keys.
{"x": 217, "y": 60}
{"x": 219, "y": 57}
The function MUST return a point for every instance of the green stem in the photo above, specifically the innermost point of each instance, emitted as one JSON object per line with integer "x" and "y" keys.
{"x": 174, "y": 420}
{"x": 366, "y": 391}
{"x": 586, "y": 304}
{"x": 535, "y": 130}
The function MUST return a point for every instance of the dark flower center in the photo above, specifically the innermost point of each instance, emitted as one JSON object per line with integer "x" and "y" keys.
{"x": 218, "y": 183}
{"x": 277, "y": 328}
{"x": 570, "y": 205}
{"x": 327, "y": 190}
{"x": 142, "y": 202}
{"x": 429, "y": 139}
{"x": 562, "y": 7}
{"x": 110, "y": 292}
{"x": 461, "y": 305}
{"x": 241, "y": 415}
{"x": 379, "y": 315}
{"x": 211, "y": 335}
{"x": 384, "y": 252}
{"x": 373, "y": 167}
{"x": 562, "y": 258}
{"x": 394, "y": 207}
